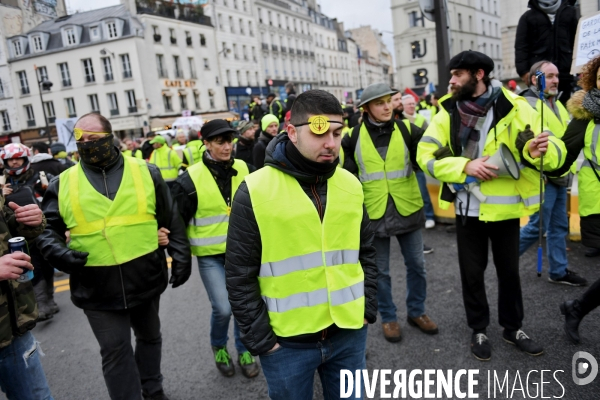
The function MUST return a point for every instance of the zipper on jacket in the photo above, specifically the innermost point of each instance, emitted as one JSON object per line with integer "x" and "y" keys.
{"x": 313, "y": 189}
{"x": 120, "y": 271}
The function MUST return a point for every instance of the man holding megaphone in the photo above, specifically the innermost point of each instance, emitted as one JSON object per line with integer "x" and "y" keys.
{"x": 477, "y": 120}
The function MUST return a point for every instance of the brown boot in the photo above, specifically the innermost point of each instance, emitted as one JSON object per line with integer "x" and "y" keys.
{"x": 425, "y": 324}
{"x": 391, "y": 331}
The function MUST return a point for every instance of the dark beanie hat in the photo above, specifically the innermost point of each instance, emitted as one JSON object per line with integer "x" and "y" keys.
{"x": 214, "y": 128}
{"x": 57, "y": 147}
{"x": 471, "y": 60}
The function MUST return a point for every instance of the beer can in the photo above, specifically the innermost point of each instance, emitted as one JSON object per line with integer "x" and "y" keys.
{"x": 15, "y": 245}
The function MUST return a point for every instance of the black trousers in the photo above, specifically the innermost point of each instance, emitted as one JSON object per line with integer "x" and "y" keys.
{"x": 472, "y": 239}
{"x": 590, "y": 299}
{"x": 127, "y": 374}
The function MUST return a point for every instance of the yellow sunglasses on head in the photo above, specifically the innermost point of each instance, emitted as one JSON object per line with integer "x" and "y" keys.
{"x": 78, "y": 133}
{"x": 318, "y": 124}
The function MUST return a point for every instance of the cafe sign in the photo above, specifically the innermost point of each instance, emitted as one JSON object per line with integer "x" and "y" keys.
{"x": 180, "y": 84}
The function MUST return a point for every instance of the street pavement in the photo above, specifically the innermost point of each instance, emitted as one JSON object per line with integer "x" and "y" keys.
{"x": 73, "y": 365}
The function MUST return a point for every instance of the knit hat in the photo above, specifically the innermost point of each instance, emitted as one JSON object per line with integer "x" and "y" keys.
{"x": 268, "y": 120}
{"x": 243, "y": 126}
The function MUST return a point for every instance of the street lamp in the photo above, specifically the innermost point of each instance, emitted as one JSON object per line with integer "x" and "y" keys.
{"x": 44, "y": 84}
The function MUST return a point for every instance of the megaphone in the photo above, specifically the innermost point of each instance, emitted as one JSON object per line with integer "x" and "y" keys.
{"x": 506, "y": 163}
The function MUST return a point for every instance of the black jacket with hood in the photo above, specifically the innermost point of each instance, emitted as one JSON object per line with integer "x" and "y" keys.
{"x": 244, "y": 249}
{"x": 130, "y": 284}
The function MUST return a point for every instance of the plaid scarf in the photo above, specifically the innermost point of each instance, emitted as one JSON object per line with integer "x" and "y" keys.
{"x": 472, "y": 117}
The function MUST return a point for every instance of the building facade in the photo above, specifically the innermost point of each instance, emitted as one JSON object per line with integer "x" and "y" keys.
{"x": 378, "y": 64}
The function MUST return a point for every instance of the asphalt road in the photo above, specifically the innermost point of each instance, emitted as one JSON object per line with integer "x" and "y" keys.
{"x": 73, "y": 365}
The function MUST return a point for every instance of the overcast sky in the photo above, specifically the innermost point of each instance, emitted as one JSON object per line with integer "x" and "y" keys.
{"x": 351, "y": 12}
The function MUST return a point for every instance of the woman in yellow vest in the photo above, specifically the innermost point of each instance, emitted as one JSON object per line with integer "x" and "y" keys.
{"x": 300, "y": 263}
{"x": 204, "y": 194}
{"x": 113, "y": 206}
{"x": 582, "y": 134}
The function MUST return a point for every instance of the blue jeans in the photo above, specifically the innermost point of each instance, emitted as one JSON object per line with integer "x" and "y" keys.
{"x": 290, "y": 372}
{"x": 556, "y": 226}
{"x": 427, "y": 206}
{"x": 411, "y": 245}
{"x": 21, "y": 374}
{"x": 212, "y": 272}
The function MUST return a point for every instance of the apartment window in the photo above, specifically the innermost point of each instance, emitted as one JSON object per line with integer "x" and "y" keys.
{"x": 70, "y": 33}
{"x": 17, "y": 49}
{"x": 211, "y": 99}
{"x": 459, "y": 22}
{"x": 224, "y": 49}
{"x": 235, "y": 52}
{"x": 182, "y": 101}
{"x": 498, "y": 50}
{"x": 70, "y": 103}
{"x": 250, "y": 30}
{"x": 64, "y": 74}
{"x": 30, "y": 116}
{"x": 228, "y": 76}
{"x": 241, "y": 26}
{"x": 131, "y": 103}
{"x": 126, "y": 66}
{"x": 5, "y": 121}
{"x": 253, "y": 53}
{"x": 37, "y": 43}
{"x": 231, "y": 27}
{"x": 497, "y": 35}
{"x": 112, "y": 29}
{"x": 248, "y": 78}
{"x": 197, "y": 99}
{"x": 88, "y": 70}
{"x": 235, "y": 4}
{"x": 259, "y": 11}
{"x": 23, "y": 82}
{"x": 50, "y": 114}
{"x": 246, "y": 9}
{"x": 42, "y": 74}
{"x": 188, "y": 38}
{"x": 461, "y": 45}
{"x": 238, "y": 78}
{"x": 472, "y": 45}
{"x": 220, "y": 19}
{"x": 94, "y": 105}
{"x": 167, "y": 102}
{"x": 470, "y": 25}
{"x": 172, "y": 35}
{"x": 202, "y": 41}
{"x": 108, "y": 72}
{"x": 160, "y": 63}
{"x": 206, "y": 63}
{"x": 113, "y": 105}
{"x": 245, "y": 52}
{"x": 269, "y": 17}
{"x": 1, "y": 89}
{"x": 178, "y": 73}
{"x": 483, "y": 26}
{"x": 94, "y": 32}
{"x": 192, "y": 67}
{"x": 490, "y": 28}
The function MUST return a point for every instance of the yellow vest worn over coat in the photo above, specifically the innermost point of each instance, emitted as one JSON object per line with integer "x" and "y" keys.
{"x": 394, "y": 176}
{"x": 506, "y": 198}
{"x": 310, "y": 276}
{"x": 115, "y": 231}
{"x": 588, "y": 184}
{"x": 207, "y": 230}
{"x": 167, "y": 160}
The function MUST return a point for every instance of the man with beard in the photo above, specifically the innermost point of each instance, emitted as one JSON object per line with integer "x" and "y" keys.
{"x": 474, "y": 121}
{"x": 245, "y": 145}
{"x": 397, "y": 105}
{"x": 204, "y": 194}
{"x": 382, "y": 152}
{"x": 556, "y": 222}
{"x": 113, "y": 207}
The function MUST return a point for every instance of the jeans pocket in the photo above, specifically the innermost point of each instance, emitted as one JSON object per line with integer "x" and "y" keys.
{"x": 271, "y": 352}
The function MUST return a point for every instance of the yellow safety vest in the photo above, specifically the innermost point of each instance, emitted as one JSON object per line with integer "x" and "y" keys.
{"x": 556, "y": 124}
{"x": 113, "y": 232}
{"x": 419, "y": 120}
{"x": 589, "y": 186}
{"x": 310, "y": 276}
{"x": 167, "y": 161}
{"x": 138, "y": 153}
{"x": 394, "y": 176}
{"x": 207, "y": 230}
{"x": 279, "y": 114}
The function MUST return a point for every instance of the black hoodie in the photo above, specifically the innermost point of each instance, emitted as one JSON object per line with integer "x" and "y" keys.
{"x": 244, "y": 249}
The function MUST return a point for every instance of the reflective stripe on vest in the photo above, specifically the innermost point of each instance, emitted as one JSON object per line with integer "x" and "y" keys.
{"x": 207, "y": 230}
{"x": 310, "y": 276}
{"x": 589, "y": 186}
{"x": 106, "y": 228}
{"x": 190, "y": 156}
{"x": 168, "y": 172}
{"x": 394, "y": 176}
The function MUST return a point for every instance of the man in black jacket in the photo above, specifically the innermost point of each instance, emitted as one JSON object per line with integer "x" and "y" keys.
{"x": 119, "y": 295}
{"x": 244, "y": 148}
{"x": 293, "y": 339}
{"x": 42, "y": 160}
{"x": 547, "y": 32}
{"x": 270, "y": 127}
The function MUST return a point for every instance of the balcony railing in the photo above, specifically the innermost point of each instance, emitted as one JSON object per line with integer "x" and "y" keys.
{"x": 178, "y": 74}
{"x": 6, "y": 128}
{"x": 114, "y": 112}
{"x": 298, "y": 51}
{"x": 51, "y": 120}
{"x": 283, "y": 49}
{"x": 24, "y": 89}
{"x": 274, "y": 47}
{"x": 127, "y": 74}
{"x": 305, "y": 52}
{"x": 109, "y": 77}
{"x": 265, "y": 46}
{"x": 131, "y": 110}
{"x": 30, "y": 123}
{"x": 66, "y": 82}
{"x": 162, "y": 73}
{"x": 183, "y": 12}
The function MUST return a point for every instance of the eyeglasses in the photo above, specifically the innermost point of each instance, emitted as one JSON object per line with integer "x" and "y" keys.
{"x": 78, "y": 133}
{"x": 318, "y": 124}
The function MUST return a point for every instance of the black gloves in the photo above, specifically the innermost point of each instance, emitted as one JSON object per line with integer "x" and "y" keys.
{"x": 178, "y": 280}
{"x": 70, "y": 260}
{"x": 523, "y": 137}
{"x": 443, "y": 153}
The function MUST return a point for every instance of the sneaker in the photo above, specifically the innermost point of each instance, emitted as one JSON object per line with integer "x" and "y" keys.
{"x": 160, "y": 395}
{"x": 570, "y": 309}
{"x": 424, "y": 323}
{"x": 427, "y": 249}
{"x": 223, "y": 361}
{"x": 248, "y": 365}
{"x": 429, "y": 224}
{"x": 570, "y": 278}
{"x": 523, "y": 342}
{"x": 592, "y": 253}
{"x": 391, "y": 331}
{"x": 480, "y": 347}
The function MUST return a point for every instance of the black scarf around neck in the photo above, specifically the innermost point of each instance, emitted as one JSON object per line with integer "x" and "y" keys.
{"x": 308, "y": 166}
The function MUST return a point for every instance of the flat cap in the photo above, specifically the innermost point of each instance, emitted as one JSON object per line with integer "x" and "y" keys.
{"x": 471, "y": 59}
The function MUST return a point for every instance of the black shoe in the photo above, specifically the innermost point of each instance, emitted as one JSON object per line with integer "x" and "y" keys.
{"x": 571, "y": 278}
{"x": 480, "y": 347}
{"x": 573, "y": 318}
{"x": 451, "y": 229}
{"x": 592, "y": 253}
{"x": 427, "y": 249}
{"x": 223, "y": 361}
{"x": 248, "y": 365}
{"x": 160, "y": 395}
{"x": 523, "y": 342}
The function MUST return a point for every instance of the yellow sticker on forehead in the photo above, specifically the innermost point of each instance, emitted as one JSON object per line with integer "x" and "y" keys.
{"x": 319, "y": 124}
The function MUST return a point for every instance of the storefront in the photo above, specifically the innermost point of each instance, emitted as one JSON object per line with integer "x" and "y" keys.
{"x": 238, "y": 98}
